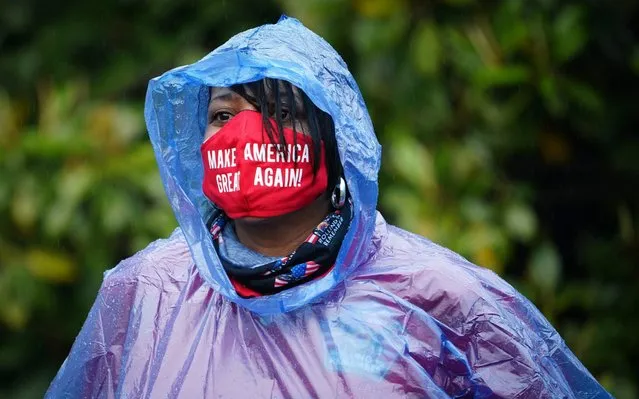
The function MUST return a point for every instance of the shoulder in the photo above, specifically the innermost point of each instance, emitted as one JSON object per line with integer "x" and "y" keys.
{"x": 501, "y": 335}
{"x": 436, "y": 279}
{"x": 130, "y": 296}
{"x": 156, "y": 274}
{"x": 163, "y": 260}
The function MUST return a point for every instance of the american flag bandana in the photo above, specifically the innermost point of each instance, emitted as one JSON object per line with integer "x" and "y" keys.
{"x": 313, "y": 258}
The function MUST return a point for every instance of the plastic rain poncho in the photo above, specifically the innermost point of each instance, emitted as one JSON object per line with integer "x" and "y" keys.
{"x": 397, "y": 317}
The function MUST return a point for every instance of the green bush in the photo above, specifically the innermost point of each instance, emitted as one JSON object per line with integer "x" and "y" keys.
{"x": 80, "y": 189}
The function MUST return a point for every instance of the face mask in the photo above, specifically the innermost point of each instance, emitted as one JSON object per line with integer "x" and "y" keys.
{"x": 247, "y": 176}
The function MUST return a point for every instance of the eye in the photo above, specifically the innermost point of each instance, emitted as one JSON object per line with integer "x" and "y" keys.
{"x": 285, "y": 114}
{"x": 220, "y": 117}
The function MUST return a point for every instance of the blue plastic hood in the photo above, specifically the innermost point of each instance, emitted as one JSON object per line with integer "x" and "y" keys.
{"x": 175, "y": 112}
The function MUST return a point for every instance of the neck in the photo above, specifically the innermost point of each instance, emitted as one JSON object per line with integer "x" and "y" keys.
{"x": 281, "y": 235}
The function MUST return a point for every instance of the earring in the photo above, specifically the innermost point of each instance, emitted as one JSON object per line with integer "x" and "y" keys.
{"x": 338, "y": 198}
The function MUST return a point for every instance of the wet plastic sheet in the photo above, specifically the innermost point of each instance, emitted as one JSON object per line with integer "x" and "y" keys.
{"x": 398, "y": 316}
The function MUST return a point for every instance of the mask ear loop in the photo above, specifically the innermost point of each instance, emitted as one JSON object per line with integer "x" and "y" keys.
{"x": 338, "y": 197}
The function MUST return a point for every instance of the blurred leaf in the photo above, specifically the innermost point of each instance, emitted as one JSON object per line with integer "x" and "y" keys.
{"x": 480, "y": 35}
{"x": 569, "y": 33}
{"x": 511, "y": 75}
{"x": 475, "y": 210}
{"x": 511, "y": 36}
{"x": 426, "y": 49}
{"x": 321, "y": 16}
{"x": 413, "y": 162}
{"x": 56, "y": 103}
{"x": 550, "y": 91}
{"x": 117, "y": 210}
{"x": 486, "y": 257}
{"x": 9, "y": 120}
{"x": 74, "y": 183}
{"x": 460, "y": 53}
{"x": 372, "y": 36}
{"x": 72, "y": 186}
{"x": 51, "y": 266}
{"x": 14, "y": 315}
{"x": 470, "y": 158}
{"x": 25, "y": 206}
{"x": 485, "y": 244}
{"x": 434, "y": 110}
{"x": 18, "y": 292}
{"x": 626, "y": 224}
{"x": 407, "y": 206}
{"x": 377, "y": 8}
{"x": 114, "y": 127}
{"x": 584, "y": 95}
{"x": 520, "y": 221}
{"x": 55, "y": 147}
{"x": 545, "y": 268}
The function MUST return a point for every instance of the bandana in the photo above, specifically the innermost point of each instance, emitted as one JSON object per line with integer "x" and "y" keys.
{"x": 314, "y": 258}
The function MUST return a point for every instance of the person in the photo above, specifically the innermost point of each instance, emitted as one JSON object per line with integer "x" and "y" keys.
{"x": 283, "y": 280}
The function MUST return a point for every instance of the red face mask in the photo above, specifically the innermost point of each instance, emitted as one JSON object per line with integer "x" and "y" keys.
{"x": 246, "y": 176}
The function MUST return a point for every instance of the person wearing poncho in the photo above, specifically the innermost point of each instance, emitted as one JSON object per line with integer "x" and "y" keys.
{"x": 358, "y": 308}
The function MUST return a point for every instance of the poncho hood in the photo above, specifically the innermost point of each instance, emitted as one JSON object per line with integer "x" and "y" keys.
{"x": 175, "y": 113}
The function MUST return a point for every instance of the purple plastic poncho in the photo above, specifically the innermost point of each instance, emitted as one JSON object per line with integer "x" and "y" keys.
{"x": 397, "y": 317}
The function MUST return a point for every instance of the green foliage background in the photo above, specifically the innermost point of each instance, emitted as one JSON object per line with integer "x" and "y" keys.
{"x": 509, "y": 131}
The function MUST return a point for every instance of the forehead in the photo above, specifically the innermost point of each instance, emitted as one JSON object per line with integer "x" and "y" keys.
{"x": 250, "y": 89}
{"x": 223, "y": 94}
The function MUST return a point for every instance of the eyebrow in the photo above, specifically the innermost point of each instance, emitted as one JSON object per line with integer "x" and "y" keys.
{"x": 224, "y": 96}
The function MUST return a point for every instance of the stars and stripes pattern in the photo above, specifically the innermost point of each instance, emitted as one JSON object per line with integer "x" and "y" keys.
{"x": 217, "y": 226}
{"x": 277, "y": 266}
{"x": 312, "y": 239}
{"x": 317, "y": 232}
{"x": 297, "y": 273}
